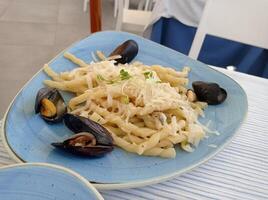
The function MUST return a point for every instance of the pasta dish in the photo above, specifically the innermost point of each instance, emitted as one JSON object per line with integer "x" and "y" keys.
{"x": 147, "y": 109}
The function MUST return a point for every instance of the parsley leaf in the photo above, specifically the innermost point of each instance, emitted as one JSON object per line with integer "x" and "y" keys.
{"x": 124, "y": 99}
{"x": 148, "y": 74}
{"x": 100, "y": 77}
{"x": 124, "y": 75}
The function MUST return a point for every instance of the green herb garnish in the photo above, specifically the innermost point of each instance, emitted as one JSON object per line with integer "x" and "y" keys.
{"x": 124, "y": 75}
{"x": 100, "y": 77}
{"x": 124, "y": 99}
{"x": 148, "y": 74}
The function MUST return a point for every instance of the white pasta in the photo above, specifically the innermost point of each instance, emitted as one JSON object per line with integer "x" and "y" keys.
{"x": 145, "y": 108}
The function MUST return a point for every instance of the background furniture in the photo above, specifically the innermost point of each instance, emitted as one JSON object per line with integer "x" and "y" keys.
{"x": 246, "y": 22}
{"x": 85, "y": 5}
{"x": 133, "y": 20}
{"x": 95, "y": 15}
{"x": 174, "y": 23}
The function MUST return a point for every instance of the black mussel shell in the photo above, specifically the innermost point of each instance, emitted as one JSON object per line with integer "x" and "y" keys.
{"x": 211, "y": 93}
{"x": 89, "y": 151}
{"x": 54, "y": 96}
{"x": 79, "y": 124}
{"x": 128, "y": 51}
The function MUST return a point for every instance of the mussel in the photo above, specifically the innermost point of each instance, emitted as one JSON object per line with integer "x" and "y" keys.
{"x": 127, "y": 50}
{"x": 50, "y": 104}
{"x": 83, "y": 144}
{"x": 79, "y": 124}
{"x": 211, "y": 93}
{"x": 90, "y": 139}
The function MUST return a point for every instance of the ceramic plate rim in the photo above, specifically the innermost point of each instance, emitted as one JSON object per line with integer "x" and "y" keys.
{"x": 60, "y": 168}
{"x": 132, "y": 184}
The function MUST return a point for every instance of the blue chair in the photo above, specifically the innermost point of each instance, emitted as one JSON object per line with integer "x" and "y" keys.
{"x": 245, "y": 35}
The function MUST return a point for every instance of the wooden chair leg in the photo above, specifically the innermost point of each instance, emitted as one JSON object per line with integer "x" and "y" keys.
{"x": 95, "y": 15}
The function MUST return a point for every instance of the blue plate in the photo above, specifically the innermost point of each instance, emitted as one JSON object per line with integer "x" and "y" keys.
{"x": 28, "y": 137}
{"x": 37, "y": 181}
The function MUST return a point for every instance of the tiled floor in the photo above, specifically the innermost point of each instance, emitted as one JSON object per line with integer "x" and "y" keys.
{"x": 34, "y": 31}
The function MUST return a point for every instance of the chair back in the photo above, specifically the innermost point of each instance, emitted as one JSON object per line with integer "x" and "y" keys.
{"x": 244, "y": 21}
{"x": 131, "y": 19}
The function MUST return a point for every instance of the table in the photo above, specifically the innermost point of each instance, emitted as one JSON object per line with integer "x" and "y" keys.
{"x": 240, "y": 171}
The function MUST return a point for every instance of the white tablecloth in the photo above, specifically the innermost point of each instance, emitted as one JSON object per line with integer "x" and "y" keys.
{"x": 240, "y": 171}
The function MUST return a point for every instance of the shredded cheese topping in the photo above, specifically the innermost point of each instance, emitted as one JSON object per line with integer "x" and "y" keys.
{"x": 145, "y": 108}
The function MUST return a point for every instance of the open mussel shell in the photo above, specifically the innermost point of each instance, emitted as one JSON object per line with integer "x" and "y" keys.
{"x": 50, "y": 104}
{"x": 211, "y": 93}
{"x": 127, "y": 50}
{"x": 83, "y": 144}
{"x": 79, "y": 124}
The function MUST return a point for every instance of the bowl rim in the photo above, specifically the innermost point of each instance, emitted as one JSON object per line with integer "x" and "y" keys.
{"x": 68, "y": 171}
